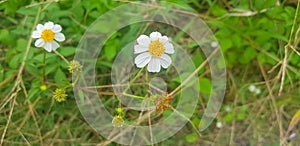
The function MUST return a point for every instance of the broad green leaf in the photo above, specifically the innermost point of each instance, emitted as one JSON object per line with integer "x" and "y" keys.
{"x": 60, "y": 77}
{"x": 205, "y": 85}
{"x": 67, "y": 51}
{"x": 33, "y": 69}
{"x": 6, "y": 37}
{"x": 15, "y": 61}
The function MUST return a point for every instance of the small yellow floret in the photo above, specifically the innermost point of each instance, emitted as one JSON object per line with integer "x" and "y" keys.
{"x": 48, "y": 35}
{"x": 156, "y": 48}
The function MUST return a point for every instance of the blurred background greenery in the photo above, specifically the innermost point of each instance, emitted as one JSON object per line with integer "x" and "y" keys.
{"x": 259, "y": 40}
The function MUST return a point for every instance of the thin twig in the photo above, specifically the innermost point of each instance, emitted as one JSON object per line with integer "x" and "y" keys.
{"x": 61, "y": 56}
{"x": 271, "y": 96}
{"x": 9, "y": 118}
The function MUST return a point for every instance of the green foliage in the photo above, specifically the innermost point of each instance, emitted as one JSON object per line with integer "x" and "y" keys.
{"x": 251, "y": 35}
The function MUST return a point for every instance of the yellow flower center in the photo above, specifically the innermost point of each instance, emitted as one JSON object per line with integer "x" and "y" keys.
{"x": 60, "y": 95}
{"x": 48, "y": 35}
{"x": 156, "y": 48}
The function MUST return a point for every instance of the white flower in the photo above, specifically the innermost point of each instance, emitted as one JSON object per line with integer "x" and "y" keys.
{"x": 252, "y": 88}
{"x": 257, "y": 91}
{"x": 219, "y": 125}
{"x": 153, "y": 51}
{"x": 47, "y": 34}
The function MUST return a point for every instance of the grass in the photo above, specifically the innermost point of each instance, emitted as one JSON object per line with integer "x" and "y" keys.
{"x": 259, "y": 40}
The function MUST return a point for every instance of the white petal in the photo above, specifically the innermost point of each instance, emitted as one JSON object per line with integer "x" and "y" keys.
{"x": 154, "y": 65}
{"x": 139, "y": 49}
{"x": 54, "y": 45}
{"x": 141, "y": 57}
{"x": 143, "y": 62}
{"x": 49, "y": 25}
{"x": 144, "y": 40}
{"x": 40, "y": 27}
{"x": 36, "y": 34}
{"x": 155, "y": 35}
{"x": 57, "y": 28}
{"x": 59, "y": 37}
{"x": 39, "y": 43}
{"x": 165, "y": 61}
{"x": 169, "y": 48}
{"x": 164, "y": 39}
{"x": 48, "y": 47}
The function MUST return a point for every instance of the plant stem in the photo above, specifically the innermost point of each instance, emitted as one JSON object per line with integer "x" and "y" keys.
{"x": 44, "y": 67}
{"x": 135, "y": 96}
{"x": 135, "y": 77}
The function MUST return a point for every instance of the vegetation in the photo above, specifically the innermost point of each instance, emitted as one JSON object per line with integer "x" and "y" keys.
{"x": 259, "y": 40}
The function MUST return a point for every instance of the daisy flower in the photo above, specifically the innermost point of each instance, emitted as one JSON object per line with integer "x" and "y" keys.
{"x": 47, "y": 35}
{"x": 153, "y": 51}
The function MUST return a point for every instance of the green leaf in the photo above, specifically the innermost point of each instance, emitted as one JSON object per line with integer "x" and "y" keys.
{"x": 229, "y": 117}
{"x": 33, "y": 92}
{"x": 15, "y": 61}
{"x": 248, "y": 55}
{"x": 33, "y": 69}
{"x": 197, "y": 58}
{"x": 27, "y": 11}
{"x": 225, "y": 43}
{"x": 205, "y": 85}
{"x": 51, "y": 68}
{"x": 191, "y": 138}
{"x": 35, "y": 89}
{"x": 21, "y": 44}
{"x": 6, "y": 37}
{"x": 217, "y": 11}
{"x": 67, "y": 51}
{"x": 60, "y": 77}
{"x": 110, "y": 51}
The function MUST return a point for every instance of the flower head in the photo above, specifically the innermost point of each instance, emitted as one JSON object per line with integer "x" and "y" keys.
{"x": 43, "y": 87}
{"x": 118, "y": 121}
{"x": 60, "y": 94}
{"x": 153, "y": 51}
{"x": 75, "y": 67}
{"x": 47, "y": 35}
{"x": 163, "y": 103}
{"x": 252, "y": 88}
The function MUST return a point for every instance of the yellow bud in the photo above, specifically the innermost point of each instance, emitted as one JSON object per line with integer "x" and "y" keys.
{"x": 43, "y": 87}
{"x": 119, "y": 110}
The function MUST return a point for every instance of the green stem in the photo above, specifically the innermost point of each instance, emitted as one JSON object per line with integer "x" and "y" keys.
{"x": 44, "y": 67}
{"x": 135, "y": 77}
{"x": 135, "y": 96}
